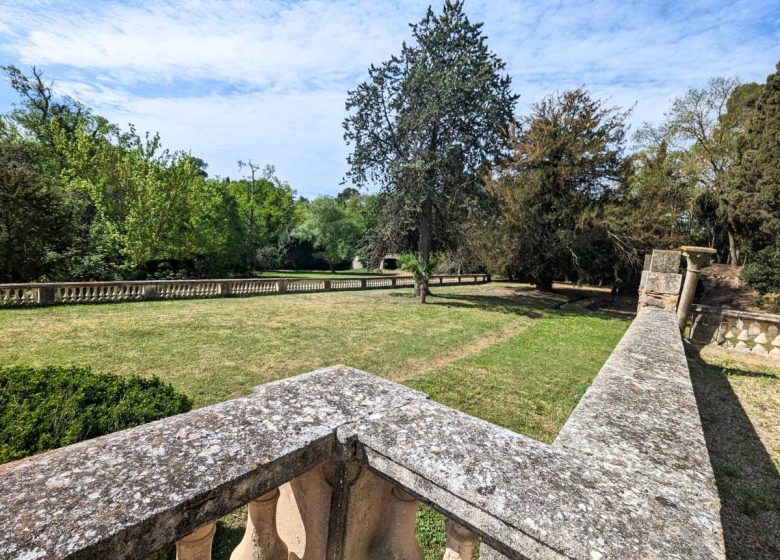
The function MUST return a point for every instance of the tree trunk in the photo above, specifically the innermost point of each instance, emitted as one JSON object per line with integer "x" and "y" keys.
{"x": 733, "y": 253}
{"x": 544, "y": 282}
{"x": 422, "y": 286}
{"x": 424, "y": 244}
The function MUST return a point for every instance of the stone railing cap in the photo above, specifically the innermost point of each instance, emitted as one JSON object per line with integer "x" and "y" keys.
{"x": 607, "y": 489}
{"x": 694, "y": 249}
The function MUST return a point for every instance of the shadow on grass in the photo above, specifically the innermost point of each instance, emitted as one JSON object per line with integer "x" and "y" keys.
{"x": 526, "y": 306}
{"x": 747, "y": 479}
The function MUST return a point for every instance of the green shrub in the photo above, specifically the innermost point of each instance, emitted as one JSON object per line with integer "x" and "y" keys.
{"x": 763, "y": 274}
{"x": 46, "y": 408}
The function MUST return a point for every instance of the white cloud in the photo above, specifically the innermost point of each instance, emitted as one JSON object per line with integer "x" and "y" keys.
{"x": 268, "y": 80}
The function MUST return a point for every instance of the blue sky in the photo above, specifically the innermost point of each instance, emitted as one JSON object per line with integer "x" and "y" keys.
{"x": 267, "y": 80}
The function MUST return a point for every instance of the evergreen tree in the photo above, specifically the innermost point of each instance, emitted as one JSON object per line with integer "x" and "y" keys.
{"x": 425, "y": 126}
{"x": 754, "y": 193}
{"x": 567, "y": 160}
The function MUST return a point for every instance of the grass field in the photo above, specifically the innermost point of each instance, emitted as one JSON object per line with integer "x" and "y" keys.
{"x": 502, "y": 352}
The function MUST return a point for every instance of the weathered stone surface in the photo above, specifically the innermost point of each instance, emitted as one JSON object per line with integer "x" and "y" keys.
{"x": 133, "y": 491}
{"x": 665, "y": 261}
{"x": 628, "y": 477}
{"x": 528, "y": 499}
{"x": 659, "y": 289}
{"x": 640, "y": 413}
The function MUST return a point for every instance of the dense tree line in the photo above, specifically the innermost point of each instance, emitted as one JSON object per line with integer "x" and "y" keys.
{"x": 80, "y": 199}
{"x": 464, "y": 184}
{"x": 558, "y": 193}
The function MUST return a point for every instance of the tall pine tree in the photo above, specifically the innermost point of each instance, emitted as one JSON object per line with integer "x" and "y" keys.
{"x": 425, "y": 126}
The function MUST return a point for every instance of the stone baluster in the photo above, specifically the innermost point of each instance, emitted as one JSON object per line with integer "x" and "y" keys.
{"x": 197, "y": 545}
{"x": 731, "y": 332}
{"x": 380, "y": 521}
{"x": 775, "y": 351}
{"x": 761, "y": 339}
{"x": 460, "y": 542}
{"x": 742, "y": 337}
{"x": 261, "y": 540}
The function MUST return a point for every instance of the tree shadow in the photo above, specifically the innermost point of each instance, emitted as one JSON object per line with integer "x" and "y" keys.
{"x": 525, "y": 306}
{"x": 747, "y": 479}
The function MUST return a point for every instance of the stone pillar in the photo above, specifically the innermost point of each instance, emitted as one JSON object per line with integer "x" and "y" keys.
{"x": 460, "y": 542}
{"x": 225, "y": 288}
{"x": 326, "y": 285}
{"x": 261, "y": 539}
{"x": 696, "y": 257}
{"x": 362, "y": 282}
{"x": 281, "y": 286}
{"x": 197, "y": 545}
{"x": 660, "y": 282}
{"x": 45, "y": 294}
{"x": 150, "y": 291}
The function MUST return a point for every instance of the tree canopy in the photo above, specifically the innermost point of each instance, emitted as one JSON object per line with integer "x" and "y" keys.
{"x": 566, "y": 161}
{"x": 425, "y": 126}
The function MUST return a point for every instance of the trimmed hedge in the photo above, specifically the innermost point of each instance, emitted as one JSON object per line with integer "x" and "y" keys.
{"x": 46, "y": 408}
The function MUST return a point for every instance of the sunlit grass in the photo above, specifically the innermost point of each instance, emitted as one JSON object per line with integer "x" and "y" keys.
{"x": 501, "y": 352}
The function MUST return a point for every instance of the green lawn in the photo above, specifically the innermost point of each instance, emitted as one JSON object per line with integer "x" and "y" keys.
{"x": 499, "y": 351}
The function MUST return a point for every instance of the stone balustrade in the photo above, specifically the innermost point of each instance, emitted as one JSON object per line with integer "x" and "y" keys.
{"x": 103, "y": 292}
{"x": 753, "y": 333}
{"x": 332, "y": 464}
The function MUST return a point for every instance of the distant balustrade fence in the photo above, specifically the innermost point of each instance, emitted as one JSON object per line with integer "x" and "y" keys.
{"x": 100, "y": 292}
{"x": 754, "y": 333}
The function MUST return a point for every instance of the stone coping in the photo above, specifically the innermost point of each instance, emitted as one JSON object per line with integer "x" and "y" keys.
{"x": 767, "y": 317}
{"x": 133, "y": 491}
{"x": 627, "y": 478}
{"x": 696, "y": 249}
{"x": 33, "y": 285}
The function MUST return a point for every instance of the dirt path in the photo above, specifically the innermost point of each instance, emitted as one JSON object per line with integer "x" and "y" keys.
{"x": 475, "y": 347}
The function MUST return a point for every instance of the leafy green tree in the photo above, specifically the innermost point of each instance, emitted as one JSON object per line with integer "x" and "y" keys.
{"x": 705, "y": 124}
{"x": 567, "y": 161}
{"x": 653, "y": 207}
{"x": 425, "y": 126}
{"x": 753, "y": 198}
{"x": 334, "y": 233}
{"x": 267, "y": 207}
{"x": 33, "y": 217}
